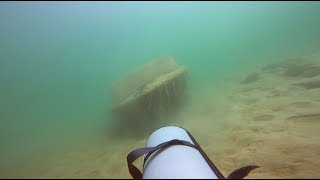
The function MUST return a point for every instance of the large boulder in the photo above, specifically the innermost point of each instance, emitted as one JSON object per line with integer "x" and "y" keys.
{"x": 145, "y": 98}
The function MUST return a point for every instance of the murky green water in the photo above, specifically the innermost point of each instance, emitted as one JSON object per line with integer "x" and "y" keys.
{"x": 59, "y": 60}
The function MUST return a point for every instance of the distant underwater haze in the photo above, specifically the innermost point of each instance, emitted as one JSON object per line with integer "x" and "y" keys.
{"x": 252, "y": 84}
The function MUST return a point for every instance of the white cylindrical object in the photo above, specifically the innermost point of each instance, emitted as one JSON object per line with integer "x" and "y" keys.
{"x": 177, "y": 161}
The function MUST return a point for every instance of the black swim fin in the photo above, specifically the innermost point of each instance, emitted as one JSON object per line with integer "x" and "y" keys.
{"x": 242, "y": 172}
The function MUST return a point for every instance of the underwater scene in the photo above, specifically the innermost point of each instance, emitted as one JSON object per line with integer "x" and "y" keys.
{"x": 85, "y": 83}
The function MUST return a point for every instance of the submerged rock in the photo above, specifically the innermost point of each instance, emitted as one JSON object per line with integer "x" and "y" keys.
{"x": 305, "y": 118}
{"x": 305, "y": 71}
{"x": 147, "y": 95}
{"x": 300, "y": 104}
{"x": 251, "y": 78}
{"x": 294, "y": 67}
{"x": 309, "y": 85}
{"x": 265, "y": 117}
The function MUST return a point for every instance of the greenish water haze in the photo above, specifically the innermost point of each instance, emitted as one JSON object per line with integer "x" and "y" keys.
{"x": 59, "y": 60}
